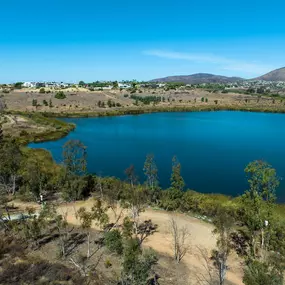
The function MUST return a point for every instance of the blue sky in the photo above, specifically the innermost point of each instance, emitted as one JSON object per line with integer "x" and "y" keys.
{"x": 107, "y": 40}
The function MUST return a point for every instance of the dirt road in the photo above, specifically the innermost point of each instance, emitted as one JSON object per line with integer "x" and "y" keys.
{"x": 201, "y": 237}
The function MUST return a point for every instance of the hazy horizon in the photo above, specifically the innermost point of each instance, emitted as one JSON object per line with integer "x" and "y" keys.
{"x": 71, "y": 41}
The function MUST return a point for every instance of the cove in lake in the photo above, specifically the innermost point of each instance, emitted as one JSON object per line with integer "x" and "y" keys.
{"x": 212, "y": 147}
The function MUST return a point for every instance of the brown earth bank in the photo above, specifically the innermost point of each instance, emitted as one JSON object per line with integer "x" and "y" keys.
{"x": 83, "y": 101}
{"x": 201, "y": 240}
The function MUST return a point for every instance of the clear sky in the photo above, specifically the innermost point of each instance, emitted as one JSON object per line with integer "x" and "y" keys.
{"x": 114, "y": 40}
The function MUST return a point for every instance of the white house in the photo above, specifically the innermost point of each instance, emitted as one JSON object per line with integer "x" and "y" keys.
{"x": 29, "y": 84}
{"x": 124, "y": 86}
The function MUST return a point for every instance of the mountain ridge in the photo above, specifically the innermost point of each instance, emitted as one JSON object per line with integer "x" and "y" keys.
{"x": 274, "y": 75}
{"x": 198, "y": 78}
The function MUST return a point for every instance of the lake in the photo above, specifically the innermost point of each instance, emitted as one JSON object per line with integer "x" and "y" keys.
{"x": 212, "y": 147}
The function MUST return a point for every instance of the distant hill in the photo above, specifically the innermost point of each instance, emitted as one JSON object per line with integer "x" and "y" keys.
{"x": 275, "y": 75}
{"x": 198, "y": 78}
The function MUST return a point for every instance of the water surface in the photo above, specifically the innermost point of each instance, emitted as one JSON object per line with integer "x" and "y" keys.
{"x": 213, "y": 147}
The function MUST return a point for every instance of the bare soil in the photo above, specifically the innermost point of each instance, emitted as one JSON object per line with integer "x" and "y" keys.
{"x": 192, "y": 265}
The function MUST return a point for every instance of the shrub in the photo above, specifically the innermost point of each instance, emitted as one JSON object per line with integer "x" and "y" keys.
{"x": 23, "y": 133}
{"x": 113, "y": 241}
{"x": 108, "y": 263}
{"x": 60, "y": 95}
{"x": 171, "y": 199}
{"x": 42, "y": 90}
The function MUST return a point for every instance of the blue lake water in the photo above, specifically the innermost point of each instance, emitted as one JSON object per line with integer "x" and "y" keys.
{"x": 212, "y": 147}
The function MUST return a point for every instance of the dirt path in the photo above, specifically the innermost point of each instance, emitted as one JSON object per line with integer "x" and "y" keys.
{"x": 201, "y": 236}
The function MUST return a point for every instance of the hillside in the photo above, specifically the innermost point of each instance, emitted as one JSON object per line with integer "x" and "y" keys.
{"x": 275, "y": 75}
{"x": 198, "y": 78}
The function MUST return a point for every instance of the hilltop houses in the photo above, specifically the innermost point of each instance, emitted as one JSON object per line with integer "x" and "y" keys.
{"x": 46, "y": 84}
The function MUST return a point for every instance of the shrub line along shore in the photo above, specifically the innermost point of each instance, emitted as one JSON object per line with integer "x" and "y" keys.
{"x": 63, "y": 128}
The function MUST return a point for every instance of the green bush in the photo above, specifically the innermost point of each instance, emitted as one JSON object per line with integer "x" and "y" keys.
{"x": 60, "y": 95}
{"x": 171, "y": 199}
{"x": 113, "y": 241}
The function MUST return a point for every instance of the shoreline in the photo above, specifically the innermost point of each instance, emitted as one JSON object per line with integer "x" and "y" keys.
{"x": 68, "y": 127}
{"x": 139, "y": 111}
{"x": 63, "y": 128}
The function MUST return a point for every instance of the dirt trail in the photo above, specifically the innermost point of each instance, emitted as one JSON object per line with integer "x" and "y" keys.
{"x": 201, "y": 236}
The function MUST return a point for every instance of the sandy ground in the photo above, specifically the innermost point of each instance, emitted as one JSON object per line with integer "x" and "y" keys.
{"x": 201, "y": 237}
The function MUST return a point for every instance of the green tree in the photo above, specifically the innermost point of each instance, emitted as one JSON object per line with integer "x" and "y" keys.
{"x": 150, "y": 171}
{"x": 137, "y": 265}
{"x": 86, "y": 218}
{"x": 260, "y": 273}
{"x": 75, "y": 157}
{"x": 131, "y": 175}
{"x": 109, "y": 103}
{"x": 113, "y": 241}
{"x": 42, "y": 91}
{"x": 36, "y": 178}
{"x": 135, "y": 199}
{"x": 223, "y": 223}
{"x": 35, "y": 102}
{"x": 171, "y": 199}
{"x": 75, "y": 163}
{"x": 11, "y": 159}
{"x": 1, "y": 134}
{"x": 81, "y": 83}
{"x": 258, "y": 204}
{"x": 262, "y": 180}
{"x": 18, "y": 85}
{"x": 115, "y": 85}
{"x": 177, "y": 181}
{"x": 73, "y": 187}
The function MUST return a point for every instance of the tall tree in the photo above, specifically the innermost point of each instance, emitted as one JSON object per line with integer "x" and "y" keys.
{"x": 223, "y": 229}
{"x": 258, "y": 204}
{"x": 10, "y": 157}
{"x": 177, "y": 181}
{"x": 75, "y": 157}
{"x": 1, "y": 134}
{"x": 115, "y": 85}
{"x": 75, "y": 162}
{"x": 2, "y": 107}
{"x": 131, "y": 175}
{"x": 150, "y": 171}
{"x": 135, "y": 199}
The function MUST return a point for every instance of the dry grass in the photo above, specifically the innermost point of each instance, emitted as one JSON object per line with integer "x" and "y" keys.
{"x": 161, "y": 242}
{"x": 83, "y": 101}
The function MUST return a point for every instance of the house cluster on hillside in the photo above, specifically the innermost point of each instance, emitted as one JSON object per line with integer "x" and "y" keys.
{"x": 257, "y": 84}
{"x": 46, "y": 84}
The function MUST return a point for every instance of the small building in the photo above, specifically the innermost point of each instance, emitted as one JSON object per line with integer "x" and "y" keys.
{"x": 124, "y": 86}
{"x": 29, "y": 84}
